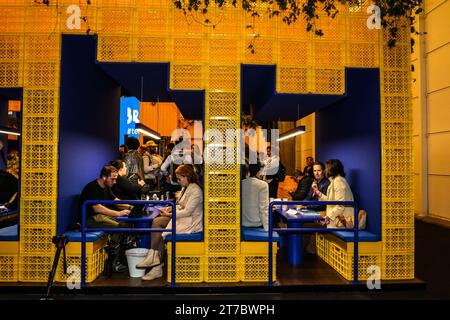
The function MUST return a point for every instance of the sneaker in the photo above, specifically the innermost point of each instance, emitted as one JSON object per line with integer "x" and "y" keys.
{"x": 117, "y": 266}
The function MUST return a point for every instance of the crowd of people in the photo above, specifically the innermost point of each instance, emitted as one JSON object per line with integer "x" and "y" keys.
{"x": 316, "y": 182}
{"x": 141, "y": 170}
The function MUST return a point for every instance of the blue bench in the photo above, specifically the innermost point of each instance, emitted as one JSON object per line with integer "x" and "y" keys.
{"x": 75, "y": 236}
{"x": 198, "y": 236}
{"x": 363, "y": 236}
{"x": 257, "y": 234}
{"x": 10, "y": 233}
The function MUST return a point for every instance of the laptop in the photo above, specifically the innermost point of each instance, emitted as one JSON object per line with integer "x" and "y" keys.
{"x": 138, "y": 211}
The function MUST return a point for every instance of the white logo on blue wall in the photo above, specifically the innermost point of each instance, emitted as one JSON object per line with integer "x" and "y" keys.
{"x": 129, "y": 116}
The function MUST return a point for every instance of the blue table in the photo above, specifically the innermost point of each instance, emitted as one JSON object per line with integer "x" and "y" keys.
{"x": 295, "y": 243}
{"x": 143, "y": 222}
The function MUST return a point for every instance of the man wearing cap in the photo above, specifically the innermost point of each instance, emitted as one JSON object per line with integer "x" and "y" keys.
{"x": 152, "y": 162}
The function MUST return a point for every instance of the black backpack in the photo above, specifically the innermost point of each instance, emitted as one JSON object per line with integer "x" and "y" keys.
{"x": 281, "y": 174}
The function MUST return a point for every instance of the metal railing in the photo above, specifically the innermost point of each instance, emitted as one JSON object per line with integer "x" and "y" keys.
{"x": 306, "y": 230}
{"x": 84, "y": 230}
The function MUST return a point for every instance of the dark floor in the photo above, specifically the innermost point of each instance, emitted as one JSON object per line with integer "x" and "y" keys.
{"x": 314, "y": 280}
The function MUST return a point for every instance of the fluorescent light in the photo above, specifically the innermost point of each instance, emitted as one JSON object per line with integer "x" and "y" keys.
{"x": 292, "y": 133}
{"x": 7, "y": 130}
{"x": 147, "y": 131}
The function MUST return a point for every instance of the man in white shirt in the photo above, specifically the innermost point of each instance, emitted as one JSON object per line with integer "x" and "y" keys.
{"x": 270, "y": 169}
{"x": 255, "y": 208}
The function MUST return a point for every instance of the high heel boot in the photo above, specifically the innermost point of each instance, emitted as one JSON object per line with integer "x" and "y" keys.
{"x": 151, "y": 260}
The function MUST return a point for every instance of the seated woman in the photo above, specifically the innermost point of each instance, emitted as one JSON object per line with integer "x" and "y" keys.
{"x": 189, "y": 219}
{"x": 124, "y": 188}
{"x": 338, "y": 190}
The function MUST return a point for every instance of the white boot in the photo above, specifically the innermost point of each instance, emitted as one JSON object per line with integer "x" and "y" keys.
{"x": 154, "y": 273}
{"x": 151, "y": 260}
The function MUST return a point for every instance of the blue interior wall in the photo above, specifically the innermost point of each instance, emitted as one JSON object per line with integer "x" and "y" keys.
{"x": 350, "y": 131}
{"x": 89, "y": 123}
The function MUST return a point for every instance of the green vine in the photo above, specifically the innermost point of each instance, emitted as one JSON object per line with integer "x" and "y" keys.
{"x": 391, "y": 12}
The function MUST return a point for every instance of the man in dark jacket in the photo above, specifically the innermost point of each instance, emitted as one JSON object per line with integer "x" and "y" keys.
{"x": 303, "y": 185}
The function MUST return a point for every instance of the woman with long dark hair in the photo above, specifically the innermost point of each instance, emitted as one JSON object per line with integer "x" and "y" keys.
{"x": 338, "y": 190}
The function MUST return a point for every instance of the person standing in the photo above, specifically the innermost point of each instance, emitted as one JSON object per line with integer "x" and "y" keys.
{"x": 270, "y": 169}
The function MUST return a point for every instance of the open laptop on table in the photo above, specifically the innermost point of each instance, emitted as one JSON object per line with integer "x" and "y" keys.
{"x": 138, "y": 211}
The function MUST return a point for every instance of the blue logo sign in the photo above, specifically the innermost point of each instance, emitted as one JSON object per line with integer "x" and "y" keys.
{"x": 129, "y": 116}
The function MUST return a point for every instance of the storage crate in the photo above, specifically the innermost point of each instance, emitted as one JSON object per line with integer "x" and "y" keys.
{"x": 39, "y": 185}
{"x": 95, "y": 264}
{"x": 329, "y": 54}
{"x": 224, "y": 77}
{"x": 294, "y": 53}
{"x": 11, "y": 47}
{"x": 328, "y": 81}
{"x": 74, "y": 248}
{"x": 222, "y": 241}
{"x": 363, "y": 247}
{"x": 35, "y": 267}
{"x": 223, "y": 268}
{"x": 397, "y": 187}
{"x": 190, "y": 261}
{"x": 342, "y": 262}
{"x": 187, "y": 23}
{"x": 188, "y": 49}
{"x": 357, "y": 28}
{"x": 398, "y": 213}
{"x": 35, "y": 212}
{"x": 396, "y": 135}
{"x": 294, "y": 79}
{"x": 322, "y": 247}
{"x": 151, "y": 20}
{"x": 11, "y": 74}
{"x": 88, "y": 17}
{"x": 221, "y": 185}
{"x": 151, "y": 49}
{"x": 398, "y": 57}
{"x": 9, "y": 266}
{"x": 114, "y": 48}
{"x": 263, "y": 51}
{"x": 186, "y": 76}
{"x": 396, "y": 82}
{"x": 223, "y": 104}
{"x": 40, "y": 102}
{"x": 39, "y": 156}
{"x": 398, "y": 161}
{"x": 398, "y": 266}
{"x": 363, "y": 54}
{"x": 225, "y": 49}
{"x": 42, "y": 46}
{"x": 398, "y": 239}
{"x": 42, "y": 19}
{"x": 396, "y": 108}
{"x": 37, "y": 239}
{"x": 12, "y": 19}
{"x": 333, "y": 29}
{"x": 40, "y": 130}
{"x": 222, "y": 214}
{"x": 41, "y": 74}
{"x": 115, "y": 20}
{"x": 254, "y": 268}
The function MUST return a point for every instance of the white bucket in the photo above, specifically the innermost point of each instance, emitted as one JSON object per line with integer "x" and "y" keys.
{"x": 134, "y": 256}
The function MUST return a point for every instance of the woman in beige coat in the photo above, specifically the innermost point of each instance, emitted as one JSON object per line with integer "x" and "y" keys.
{"x": 338, "y": 190}
{"x": 189, "y": 219}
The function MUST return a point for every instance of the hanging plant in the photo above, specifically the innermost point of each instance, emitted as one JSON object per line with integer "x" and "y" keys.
{"x": 391, "y": 12}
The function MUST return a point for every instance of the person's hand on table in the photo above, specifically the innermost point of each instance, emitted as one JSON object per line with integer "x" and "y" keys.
{"x": 122, "y": 213}
{"x": 166, "y": 211}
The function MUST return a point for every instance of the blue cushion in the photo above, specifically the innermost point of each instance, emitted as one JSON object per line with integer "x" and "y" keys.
{"x": 10, "y": 233}
{"x": 198, "y": 236}
{"x": 363, "y": 236}
{"x": 258, "y": 234}
{"x": 75, "y": 236}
